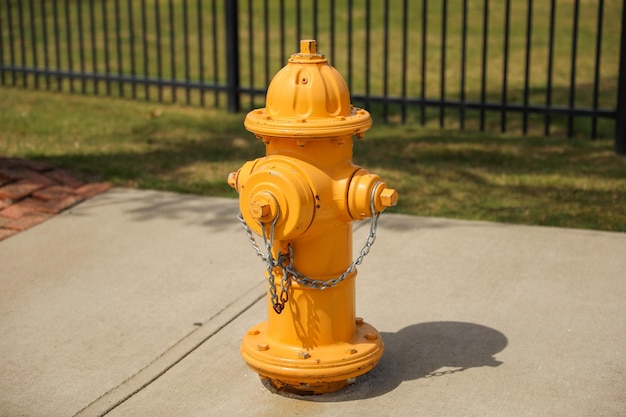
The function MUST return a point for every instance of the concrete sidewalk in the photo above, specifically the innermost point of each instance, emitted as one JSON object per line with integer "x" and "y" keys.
{"x": 134, "y": 303}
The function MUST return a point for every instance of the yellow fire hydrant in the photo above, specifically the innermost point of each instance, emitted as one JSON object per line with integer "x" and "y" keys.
{"x": 301, "y": 199}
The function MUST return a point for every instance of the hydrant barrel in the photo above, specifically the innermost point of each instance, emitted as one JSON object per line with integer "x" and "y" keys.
{"x": 301, "y": 199}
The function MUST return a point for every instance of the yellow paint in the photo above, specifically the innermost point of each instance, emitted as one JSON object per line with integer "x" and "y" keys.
{"x": 309, "y": 188}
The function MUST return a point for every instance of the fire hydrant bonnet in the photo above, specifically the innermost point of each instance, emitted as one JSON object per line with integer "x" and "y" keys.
{"x": 308, "y": 98}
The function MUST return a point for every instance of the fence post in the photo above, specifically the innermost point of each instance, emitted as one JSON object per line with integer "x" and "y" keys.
{"x": 232, "y": 54}
{"x": 620, "y": 113}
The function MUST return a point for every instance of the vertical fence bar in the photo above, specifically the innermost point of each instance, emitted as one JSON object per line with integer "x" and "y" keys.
{"x": 2, "y": 76}
{"x": 483, "y": 64}
{"x": 186, "y": 50}
{"x": 216, "y": 54}
{"x": 505, "y": 66}
{"x": 529, "y": 19}
{"x": 94, "y": 55}
{"x": 57, "y": 42}
{"x": 463, "y": 59}
{"x": 298, "y": 23}
{"x": 81, "y": 44}
{"x": 232, "y": 54}
{"x": 251, "y": 52}
{"x": 442, "y": 80}
{"x": 266, "y": 46}
{"x": 33, "y": 41}
{"x": 68, "y": 40}
{"x": 199, "y": 16}
{"x": 315, "y": 22}
{"x": 548, "y": 117}
{"x": 131, "y": 40}
{"x": 331, "y": 7}
{"x": 572, "y": 82}
{"x": 386, "y": 23}
{"x": 172, "y": 29}
{"x": 144, "y": 47}
{"x": 20, "y": 19}
{"x": 46, "y": 53}
{"x": 11, "y": 43}
{"x": 118, "y": 45}
{"x": 405, "y": 56}
{"x": 282, "y": 57}
{"x": 368, "y": 51}
{"x": 596, "y": 70}
{"x": 349, "y": 46}
{"x": 105, "y": 33}
{"x": 620, "y": 113}
{"x": 157, "y": 20}
{"x": 423, "y": 62}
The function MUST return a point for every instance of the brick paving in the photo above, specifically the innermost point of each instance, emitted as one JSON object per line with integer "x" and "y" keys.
{"x": 31, "y": 192}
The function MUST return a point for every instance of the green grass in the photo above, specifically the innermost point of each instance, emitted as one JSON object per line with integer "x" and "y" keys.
{"x": 253, "y": 38}
{"x": 447, "y": 173}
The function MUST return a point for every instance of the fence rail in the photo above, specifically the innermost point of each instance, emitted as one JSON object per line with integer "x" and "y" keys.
{"x": 541, "y": 68}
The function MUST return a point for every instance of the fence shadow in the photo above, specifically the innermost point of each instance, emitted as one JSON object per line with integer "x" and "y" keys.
{"x": 424, "y": 350}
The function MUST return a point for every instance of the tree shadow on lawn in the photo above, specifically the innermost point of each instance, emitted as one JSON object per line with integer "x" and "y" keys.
{"x": 411, "y": 149}
{"x": 424, "y": 166}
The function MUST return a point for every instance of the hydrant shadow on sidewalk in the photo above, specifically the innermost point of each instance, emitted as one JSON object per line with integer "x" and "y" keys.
{"x": 424, "y": 350}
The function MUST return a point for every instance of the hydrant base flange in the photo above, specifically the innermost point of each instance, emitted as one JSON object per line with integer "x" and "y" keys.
{"x": 318, "y": 370}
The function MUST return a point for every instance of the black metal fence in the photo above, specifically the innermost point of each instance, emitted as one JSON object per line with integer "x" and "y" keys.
{"x": 536, "y": 67}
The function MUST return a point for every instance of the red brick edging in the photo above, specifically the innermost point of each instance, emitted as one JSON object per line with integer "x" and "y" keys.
{"x": 31, "y": 192}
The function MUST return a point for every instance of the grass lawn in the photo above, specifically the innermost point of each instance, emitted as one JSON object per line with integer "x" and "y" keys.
{"x": 448, "y": 173}
{"x": 108, "y": 38}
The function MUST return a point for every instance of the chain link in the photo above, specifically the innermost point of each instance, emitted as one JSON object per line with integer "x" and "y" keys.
{"x": 283, "y": 264}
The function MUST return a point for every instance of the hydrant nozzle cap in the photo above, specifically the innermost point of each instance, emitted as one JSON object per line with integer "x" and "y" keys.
{"x": 308, "y": 98}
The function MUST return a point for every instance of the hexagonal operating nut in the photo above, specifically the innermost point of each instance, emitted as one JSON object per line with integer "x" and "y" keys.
{"x": 389, "y": 197}
{"x": 263, "y": 207}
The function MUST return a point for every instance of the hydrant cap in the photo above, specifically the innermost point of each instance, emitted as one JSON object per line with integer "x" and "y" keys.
{"x": 308, "y": 99}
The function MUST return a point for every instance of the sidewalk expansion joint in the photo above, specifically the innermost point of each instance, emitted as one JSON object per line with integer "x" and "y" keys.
{"x": 172, "y": 355}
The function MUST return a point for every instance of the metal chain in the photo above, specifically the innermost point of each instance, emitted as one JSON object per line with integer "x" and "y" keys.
{"x": 322, "y": 285}
{"x": 275, "y": 266}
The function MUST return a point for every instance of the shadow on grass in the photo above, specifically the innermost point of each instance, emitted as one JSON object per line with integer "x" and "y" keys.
{"x": 553, "y": 182}
{"x": 470, "y": 175}
{"x": 159, "y": 156}
{"x": 412, "y": 150}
